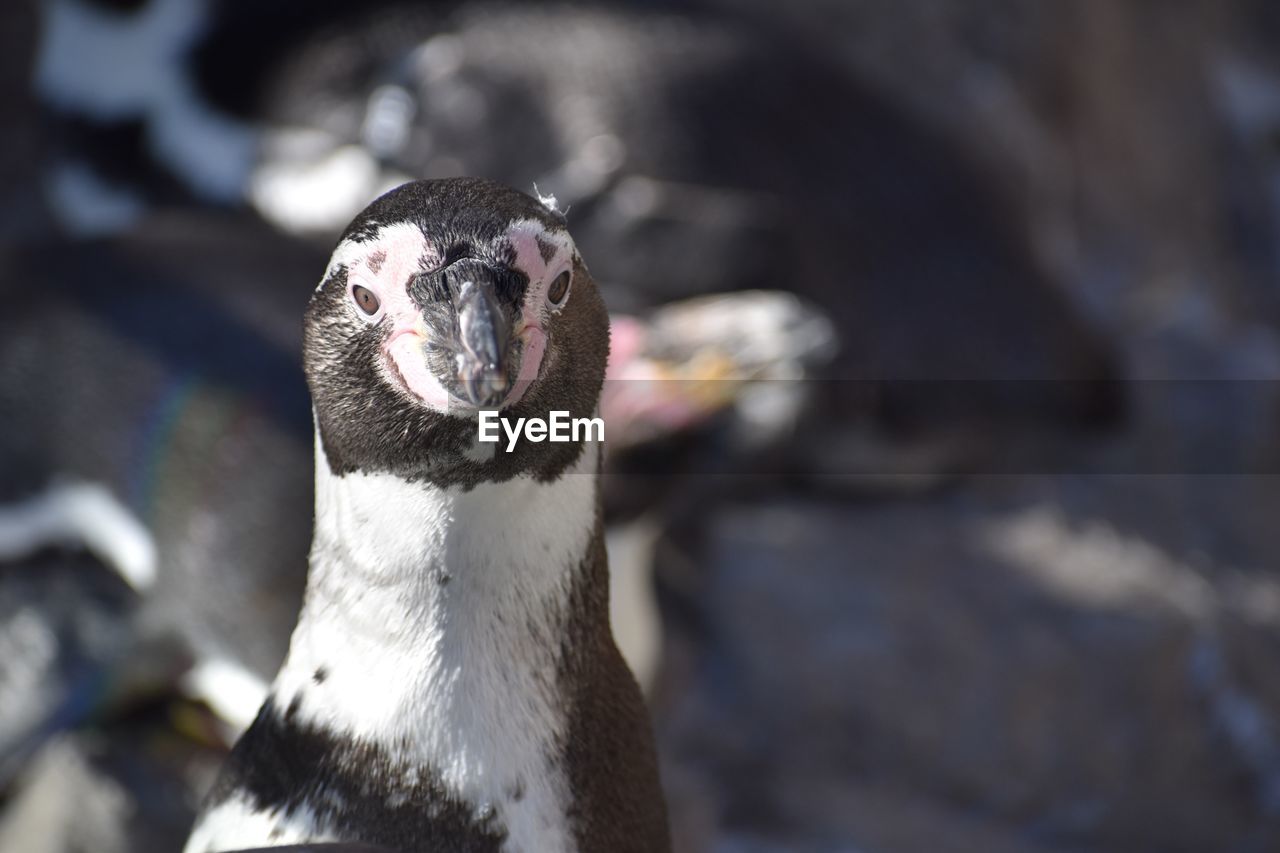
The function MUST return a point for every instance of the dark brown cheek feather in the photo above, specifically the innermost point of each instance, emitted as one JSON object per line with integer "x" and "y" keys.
{"x": 547, "y": 249}
{"x": 574, "y": 363}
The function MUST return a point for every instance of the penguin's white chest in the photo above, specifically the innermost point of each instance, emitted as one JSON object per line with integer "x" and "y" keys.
{"x": 432, "y": 631}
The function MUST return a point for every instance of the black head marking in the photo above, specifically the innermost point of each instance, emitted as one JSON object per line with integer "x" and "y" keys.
{"x": 452, "y": 212}
{"x": 362, "y": 230}
{"x": 547, "y": 249}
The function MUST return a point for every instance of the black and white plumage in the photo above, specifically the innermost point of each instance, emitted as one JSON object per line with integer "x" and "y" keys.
{"x": 153, "y": 413}
{"x": 621, "y": 112}
{"x": 452, "y": 683}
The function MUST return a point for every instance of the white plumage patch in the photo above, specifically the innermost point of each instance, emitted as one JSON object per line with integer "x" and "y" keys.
{"x": 234, "y": 692}
{"x": 432, "y": 628}
{"x": 308, "y": 183}
{"x": 112, "y": 66}
{"x": 85, "y": 515}
{"x": 236, "y": 825}
{"x": 548, "y": 201}
{"x": 401, "y": 248}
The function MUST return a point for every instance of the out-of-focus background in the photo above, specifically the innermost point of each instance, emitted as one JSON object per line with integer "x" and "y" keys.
{"x": 944, "y": 468}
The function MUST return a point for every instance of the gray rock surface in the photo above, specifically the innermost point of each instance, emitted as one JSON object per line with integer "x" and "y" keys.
{"x": 1064, "y": 662}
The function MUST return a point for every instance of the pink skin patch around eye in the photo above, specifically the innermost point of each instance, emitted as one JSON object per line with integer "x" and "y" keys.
{"x": 535, "y": 345}
{"x": 526, "y": 238}
{"x": 406, "y": 351}
{"x": 385, "y": 265}
{"x": 523, "y": 238}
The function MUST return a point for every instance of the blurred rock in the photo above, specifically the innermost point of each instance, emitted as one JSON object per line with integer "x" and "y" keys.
{"x": 66, "y": 807}
{"x": 121, "y": 788}
{"x": 23, "y": 137}
{"x": 1148, "y": 173}
{"x": 1025, "y": 654}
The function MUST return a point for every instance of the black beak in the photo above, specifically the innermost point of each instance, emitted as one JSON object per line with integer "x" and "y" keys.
{"x": 468, "y": 307}
{"x": 482, "y": 343}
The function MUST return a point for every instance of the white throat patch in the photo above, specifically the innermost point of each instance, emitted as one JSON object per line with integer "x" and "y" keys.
{"x": 435, "y": 617}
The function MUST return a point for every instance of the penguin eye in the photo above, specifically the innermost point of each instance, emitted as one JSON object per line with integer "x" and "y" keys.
{"x": 559, "y": 290}
{"x": 365, "y": 300}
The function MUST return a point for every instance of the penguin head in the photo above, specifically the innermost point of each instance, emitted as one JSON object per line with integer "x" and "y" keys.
{"x": 444, "y": 298}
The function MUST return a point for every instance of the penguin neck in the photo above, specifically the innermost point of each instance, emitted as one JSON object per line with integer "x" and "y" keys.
{"x": 435, "y": 620}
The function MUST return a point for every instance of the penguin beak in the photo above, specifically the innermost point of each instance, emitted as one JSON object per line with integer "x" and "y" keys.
{"x": 481, "y": 360}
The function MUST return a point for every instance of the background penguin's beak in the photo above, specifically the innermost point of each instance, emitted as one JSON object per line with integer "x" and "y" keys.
{"x": 481, "y": 360}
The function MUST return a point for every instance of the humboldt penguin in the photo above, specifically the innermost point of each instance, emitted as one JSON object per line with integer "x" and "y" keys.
{"x": 452, "y": 682}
